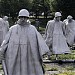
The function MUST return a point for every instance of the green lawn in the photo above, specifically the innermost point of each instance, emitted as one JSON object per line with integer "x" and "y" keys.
{"x": 56, "y": 69}
{"x": 63, "y": 69}
{"x": 62, "y": 56}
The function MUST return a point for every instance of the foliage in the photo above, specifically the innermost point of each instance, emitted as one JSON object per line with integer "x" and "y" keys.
{"x": 11, "y": 7}
{"x": 64, "y": 6}
{"x": 69, "y": 68}
{"x": 48, "y": 68}
{"x": 67, "y": 73}
{"x": 53, "y": 69}
{"x": 40, "y": 6}
{"x": 63, "y": 56}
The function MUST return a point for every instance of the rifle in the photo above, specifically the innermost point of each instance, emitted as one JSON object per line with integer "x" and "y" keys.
{"x": 4, "y": 67}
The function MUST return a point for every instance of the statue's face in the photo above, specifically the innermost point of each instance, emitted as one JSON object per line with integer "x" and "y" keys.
{"x": 58, "y": 18}
{"x": 69, "y": 20}
{"x": 23, "y": 19}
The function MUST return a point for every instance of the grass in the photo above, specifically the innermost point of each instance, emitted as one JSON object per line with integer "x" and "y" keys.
{"x": 64, "y": 69}
{"x": 56, "y": 69}
{"x": 62, "y": 56}
{"x": 67, "y": 73}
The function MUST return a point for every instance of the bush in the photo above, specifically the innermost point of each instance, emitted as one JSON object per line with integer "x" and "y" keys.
{"x": 67, "y": 73}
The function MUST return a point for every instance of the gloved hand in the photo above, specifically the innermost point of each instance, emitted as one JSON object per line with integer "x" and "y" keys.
{"x": 49, "y": 54}
{"x": 46, "y": 55}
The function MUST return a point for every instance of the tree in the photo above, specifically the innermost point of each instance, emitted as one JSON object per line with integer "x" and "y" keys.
{"x": 36, "y": 6}
{"x": 40, "y": 6}
{"x": 46, "y": 7}
{"x": 67, "y": 7}
{"x": 12, "y": 7}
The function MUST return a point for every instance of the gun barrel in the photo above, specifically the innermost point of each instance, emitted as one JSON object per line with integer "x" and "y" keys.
{"x": 4, "y": 67}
